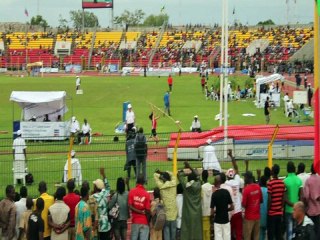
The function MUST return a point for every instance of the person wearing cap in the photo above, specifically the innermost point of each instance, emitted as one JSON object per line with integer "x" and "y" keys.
{"x": 78, "y": 83}
{"x": 130, "y": 119}
{"x": 19, "y": 152}
{"x": 101, "y": 194}
{"x": 74, "y": 128}
{"x": 139, "y": 204}
{"x": 251, "y": 200}
{"x": 210, "y": 160}
{"x": 234, "y": 181}
{"x": 196, "y": 126}
{"x": 310, "y": 94}
{"x": 76, "y": 169}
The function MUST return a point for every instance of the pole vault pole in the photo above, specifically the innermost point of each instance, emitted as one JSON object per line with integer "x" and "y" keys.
{"x": 221, "y": 67}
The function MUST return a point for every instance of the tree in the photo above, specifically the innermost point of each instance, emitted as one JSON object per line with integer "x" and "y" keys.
{"x": 39, "y": 21}
{"x": 267, "y": 22}
{"x": 63, "y": 24}
{"x": 129, "y": 18}
{"x": 155, "y": 20}
{"x": 90, "y": 19}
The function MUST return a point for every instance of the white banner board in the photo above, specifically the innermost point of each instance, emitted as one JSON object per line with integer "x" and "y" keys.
{"x": 45, "y": 130}
{"x": 300, "y": 97}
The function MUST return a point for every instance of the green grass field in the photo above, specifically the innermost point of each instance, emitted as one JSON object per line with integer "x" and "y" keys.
{"x": 101, "y": 104}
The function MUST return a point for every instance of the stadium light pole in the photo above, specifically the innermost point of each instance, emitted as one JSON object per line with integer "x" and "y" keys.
{"x": 316, "y": 86}
{"x": 226, "y": 65}
{"x": 222, "y": 67}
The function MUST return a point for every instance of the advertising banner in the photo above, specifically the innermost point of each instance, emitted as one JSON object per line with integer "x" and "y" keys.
{"x": 44, "y": 130}
{"x": 97, "y": 4}
{"x": 72, "y": 68}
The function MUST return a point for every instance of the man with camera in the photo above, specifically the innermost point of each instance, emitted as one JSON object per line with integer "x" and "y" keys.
{"x": 167, "y": 183}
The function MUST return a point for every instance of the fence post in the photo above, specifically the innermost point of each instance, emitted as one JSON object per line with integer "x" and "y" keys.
{"x": 175, "y": 158}
{"x": 69, "y": 158}
{"x": 275, "y": 132}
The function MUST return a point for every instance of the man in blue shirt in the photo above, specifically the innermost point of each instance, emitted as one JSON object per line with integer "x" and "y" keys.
{"x": 166, "y": 100}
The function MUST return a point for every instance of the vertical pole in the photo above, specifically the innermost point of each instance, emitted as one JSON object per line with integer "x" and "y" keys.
{"x": 69, "y": 158}
{"x": 175, "y": 158}
{"x": 316, "y": 87}
{"x": 222, "y": 64}
{"x": 82, "y": 20}
{"x": 226, "y": 65}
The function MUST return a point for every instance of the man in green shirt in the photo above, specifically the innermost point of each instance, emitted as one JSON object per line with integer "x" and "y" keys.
{"x": 293, "y": 186}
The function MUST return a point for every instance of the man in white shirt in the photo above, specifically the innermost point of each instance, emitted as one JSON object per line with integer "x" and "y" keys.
{"x": 19, "y": 155}
{"x": 206, "y": 193}
{"x": 19, "y": 147}
{"x": 210, "y": 160}
{"x": 76, "y": 169}
{"x": 85, "y": 132}
{"x": 285, "y": 103}
{"x": 130, "y": 118}
{"x": 78, "y": 82}
{"x": 74, "y": 128}
{"x": 196, "y": 126}
{"x": 21, "y": 206}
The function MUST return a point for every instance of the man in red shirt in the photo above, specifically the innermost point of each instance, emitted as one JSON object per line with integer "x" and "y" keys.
{"x": 276, "y": 190}
{"x": 251, "y": 200}
{"x": 139, "y": 203}
{"x": 170, "y": 82}
{"x": 71, "y": 199}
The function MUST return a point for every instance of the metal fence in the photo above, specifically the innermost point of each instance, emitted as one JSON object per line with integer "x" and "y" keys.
{"x": 46, "y": 159}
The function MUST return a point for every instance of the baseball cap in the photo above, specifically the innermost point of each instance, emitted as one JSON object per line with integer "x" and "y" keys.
{"x": 19, "y": 132}
{"x": 129, "y": 105}
{"x": 99, "y": 184}
{"x": 209, "y": 141}
{"x": 195, "y": 116}
{"x": 73, "y": 118}
{"x": 73, "y": 153}
{"x": 230, "y": 173}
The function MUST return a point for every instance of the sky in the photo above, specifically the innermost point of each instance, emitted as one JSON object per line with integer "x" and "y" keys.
{"x": 180, "y": 12}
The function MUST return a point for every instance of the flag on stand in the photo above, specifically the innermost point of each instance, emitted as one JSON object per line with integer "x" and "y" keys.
{"x": 26, "y": 12}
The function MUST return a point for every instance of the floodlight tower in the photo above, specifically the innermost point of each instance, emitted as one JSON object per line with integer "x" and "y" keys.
{"x": 223, "y": 115}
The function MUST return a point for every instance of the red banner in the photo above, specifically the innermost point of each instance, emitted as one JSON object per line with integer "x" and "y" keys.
{"x": 97, "y": 3}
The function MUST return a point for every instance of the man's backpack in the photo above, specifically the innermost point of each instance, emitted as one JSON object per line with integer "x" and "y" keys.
{"x": 159, "y": 218}
{"x": 140, "y": 145}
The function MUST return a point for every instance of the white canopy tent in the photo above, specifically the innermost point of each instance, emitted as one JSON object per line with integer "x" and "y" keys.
{"x": 40, "y": 103}
{"x": 265, "y": 80}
